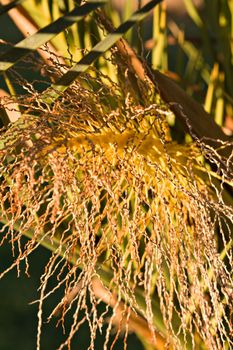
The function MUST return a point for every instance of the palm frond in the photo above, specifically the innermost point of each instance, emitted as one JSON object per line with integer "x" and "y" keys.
{"x": 142, "y": 223}
{"x": 33, "y": 42}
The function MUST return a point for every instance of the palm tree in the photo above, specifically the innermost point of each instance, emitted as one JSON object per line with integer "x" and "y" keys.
{"x": 89, "y": 169}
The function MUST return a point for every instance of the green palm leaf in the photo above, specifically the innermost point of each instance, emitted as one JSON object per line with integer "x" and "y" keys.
{"x": 33, "y": 42}
{"x": 68, "y": 78}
